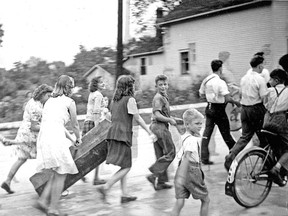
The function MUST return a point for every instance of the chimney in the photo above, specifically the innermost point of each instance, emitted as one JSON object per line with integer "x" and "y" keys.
{"x": 159, "y": 15}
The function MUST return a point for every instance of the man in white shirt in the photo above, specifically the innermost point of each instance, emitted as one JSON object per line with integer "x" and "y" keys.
{"x": 215, "y": 90}
{"x": 253, "y": 89}
{"x": 265, "y": 73}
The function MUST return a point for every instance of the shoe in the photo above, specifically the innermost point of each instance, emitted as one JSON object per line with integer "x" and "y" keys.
{"x": 275, "y": 174}
{"x": 65, "y": 193}
{"x": 207, "y": 162}
{"x": 163, "y": 186}
{"x": 127, "y": 199}
{"x": 6, "y": 187}
{"x": 153, "y": 180}
{"x": 40, "y": 206}
{"x": 99, "y": 182}
{"x": 102, "y": 191}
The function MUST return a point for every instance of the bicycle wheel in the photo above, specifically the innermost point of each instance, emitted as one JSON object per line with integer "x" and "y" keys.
{"x": 252, "y": 184}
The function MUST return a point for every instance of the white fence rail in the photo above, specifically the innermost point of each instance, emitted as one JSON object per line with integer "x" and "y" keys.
{"x": 12, "y": 125}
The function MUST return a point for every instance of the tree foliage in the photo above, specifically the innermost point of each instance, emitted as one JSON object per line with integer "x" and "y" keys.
{"x": 143, "y": 44}
{"x": 24, "y": 77}
{"x": 86, "y": 59}
{"x": 140, "y": 7}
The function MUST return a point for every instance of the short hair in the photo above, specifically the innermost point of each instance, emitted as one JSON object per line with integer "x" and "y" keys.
{"x": 283, "y": 61}
{"x": 216, "y": 64}
{"x": 259, "y": 54}
{"x": 63, "y": 85}
{"x": 191, "y": 114}
{"x": 161, "y": 77}
{"x": 256, "y": 60}
{"x": 93, "y": 85}
{"x": 279, "y": 74}
{"x": 40, "y": 91}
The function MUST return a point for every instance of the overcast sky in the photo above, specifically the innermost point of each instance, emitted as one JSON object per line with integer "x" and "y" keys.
{"x": 53, "y": 29}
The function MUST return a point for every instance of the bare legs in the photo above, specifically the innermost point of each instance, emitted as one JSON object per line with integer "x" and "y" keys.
{"x": 180, "y": 204}
{"x": 119, "y": 175}
{"x": 52, "y": 192}
{"x": 15, "y": 167}
{"x": 177, "y": 207}
{"x": 204, "y": 206}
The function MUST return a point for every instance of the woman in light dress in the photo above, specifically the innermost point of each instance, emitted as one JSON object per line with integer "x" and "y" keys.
{"x": 54, "y": 141}
{"x": 26, "y": 137}
{"x": 96, "y": 107}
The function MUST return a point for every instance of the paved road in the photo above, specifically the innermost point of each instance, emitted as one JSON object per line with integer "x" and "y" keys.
{"x": 83, "y": 200}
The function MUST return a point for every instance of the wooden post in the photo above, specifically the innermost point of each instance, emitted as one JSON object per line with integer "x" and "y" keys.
{"x": 87, "y": 157}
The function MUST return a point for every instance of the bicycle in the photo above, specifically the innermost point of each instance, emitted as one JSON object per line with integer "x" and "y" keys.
{"x": 248, "y": 181}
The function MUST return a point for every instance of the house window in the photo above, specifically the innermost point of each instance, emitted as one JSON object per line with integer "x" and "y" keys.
{"x": 184, "y": 62}
{"x": 143, "y": 66}
{"x": 192, "y": 50}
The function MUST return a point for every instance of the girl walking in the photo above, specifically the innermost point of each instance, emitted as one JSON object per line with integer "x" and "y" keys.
{"x": 95, "y": 109}
{"x": 119, "y": 137}
{"x": 53, "y": 143}
{"x": 25, "y": 140}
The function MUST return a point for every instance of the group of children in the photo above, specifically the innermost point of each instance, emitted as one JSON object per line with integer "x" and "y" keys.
{"x": 119, "y": 141}
{"x": 189, "y": 177}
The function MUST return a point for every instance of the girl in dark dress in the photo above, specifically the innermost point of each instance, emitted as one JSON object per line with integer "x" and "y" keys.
{"x": 119, "y": 137}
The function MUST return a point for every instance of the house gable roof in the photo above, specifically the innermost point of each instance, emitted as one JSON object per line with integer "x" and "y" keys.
{"x": 110, "y": 68}
{"x": 197, "y": 8}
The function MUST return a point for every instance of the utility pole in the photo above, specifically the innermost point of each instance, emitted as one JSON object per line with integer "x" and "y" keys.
{"x": 1, "y": 34}
{"x": 119, "y": 62}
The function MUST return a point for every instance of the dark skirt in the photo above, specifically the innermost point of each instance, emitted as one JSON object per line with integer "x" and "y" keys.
{"x": 119, "y": 154}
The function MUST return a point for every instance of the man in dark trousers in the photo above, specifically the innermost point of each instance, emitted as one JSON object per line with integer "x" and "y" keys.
{"x": 253, "y": 89}
{"x": 216, "y": 92}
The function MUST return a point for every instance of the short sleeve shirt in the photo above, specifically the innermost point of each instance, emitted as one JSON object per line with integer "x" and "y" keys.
{"x": 191, "y": 144}
{"x": 132, "y": 106}
{"x": 160, "y": 103}
{"x": 252, "y": 88}
{"x": 274, "y": 103}
{"x": 265, "y": 74}
{"x": 95, "y": 105}
{"x": 214, "y": 89}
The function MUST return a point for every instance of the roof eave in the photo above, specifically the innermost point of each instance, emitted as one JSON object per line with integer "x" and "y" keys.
{"x": 146, "y": 53}
{"x": 90, "y": 71}
{"x": 212, "y": 12}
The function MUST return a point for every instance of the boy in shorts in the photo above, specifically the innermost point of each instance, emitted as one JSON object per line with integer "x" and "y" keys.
{"x": 189, "y": 178}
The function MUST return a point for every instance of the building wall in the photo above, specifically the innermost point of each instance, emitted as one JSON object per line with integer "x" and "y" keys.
{"x": 241, "y": 33}
{"x": 279, "y": 30}
{"x": 155, "y": 66}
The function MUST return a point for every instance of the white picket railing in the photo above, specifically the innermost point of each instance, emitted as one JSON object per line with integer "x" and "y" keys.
{"x": 12, "y": 125}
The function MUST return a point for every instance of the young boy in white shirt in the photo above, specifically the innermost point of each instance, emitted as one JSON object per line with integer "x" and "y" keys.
{"x": 189, "y": 178}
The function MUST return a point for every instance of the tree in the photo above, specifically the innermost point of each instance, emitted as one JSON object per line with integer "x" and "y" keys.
{"x": 140, "y": 9}
{"x": 86, "y": 59}
{"x": 143, "y": 44}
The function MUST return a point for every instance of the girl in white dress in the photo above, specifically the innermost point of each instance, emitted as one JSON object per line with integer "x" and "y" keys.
{"x": 53, "y": 143}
